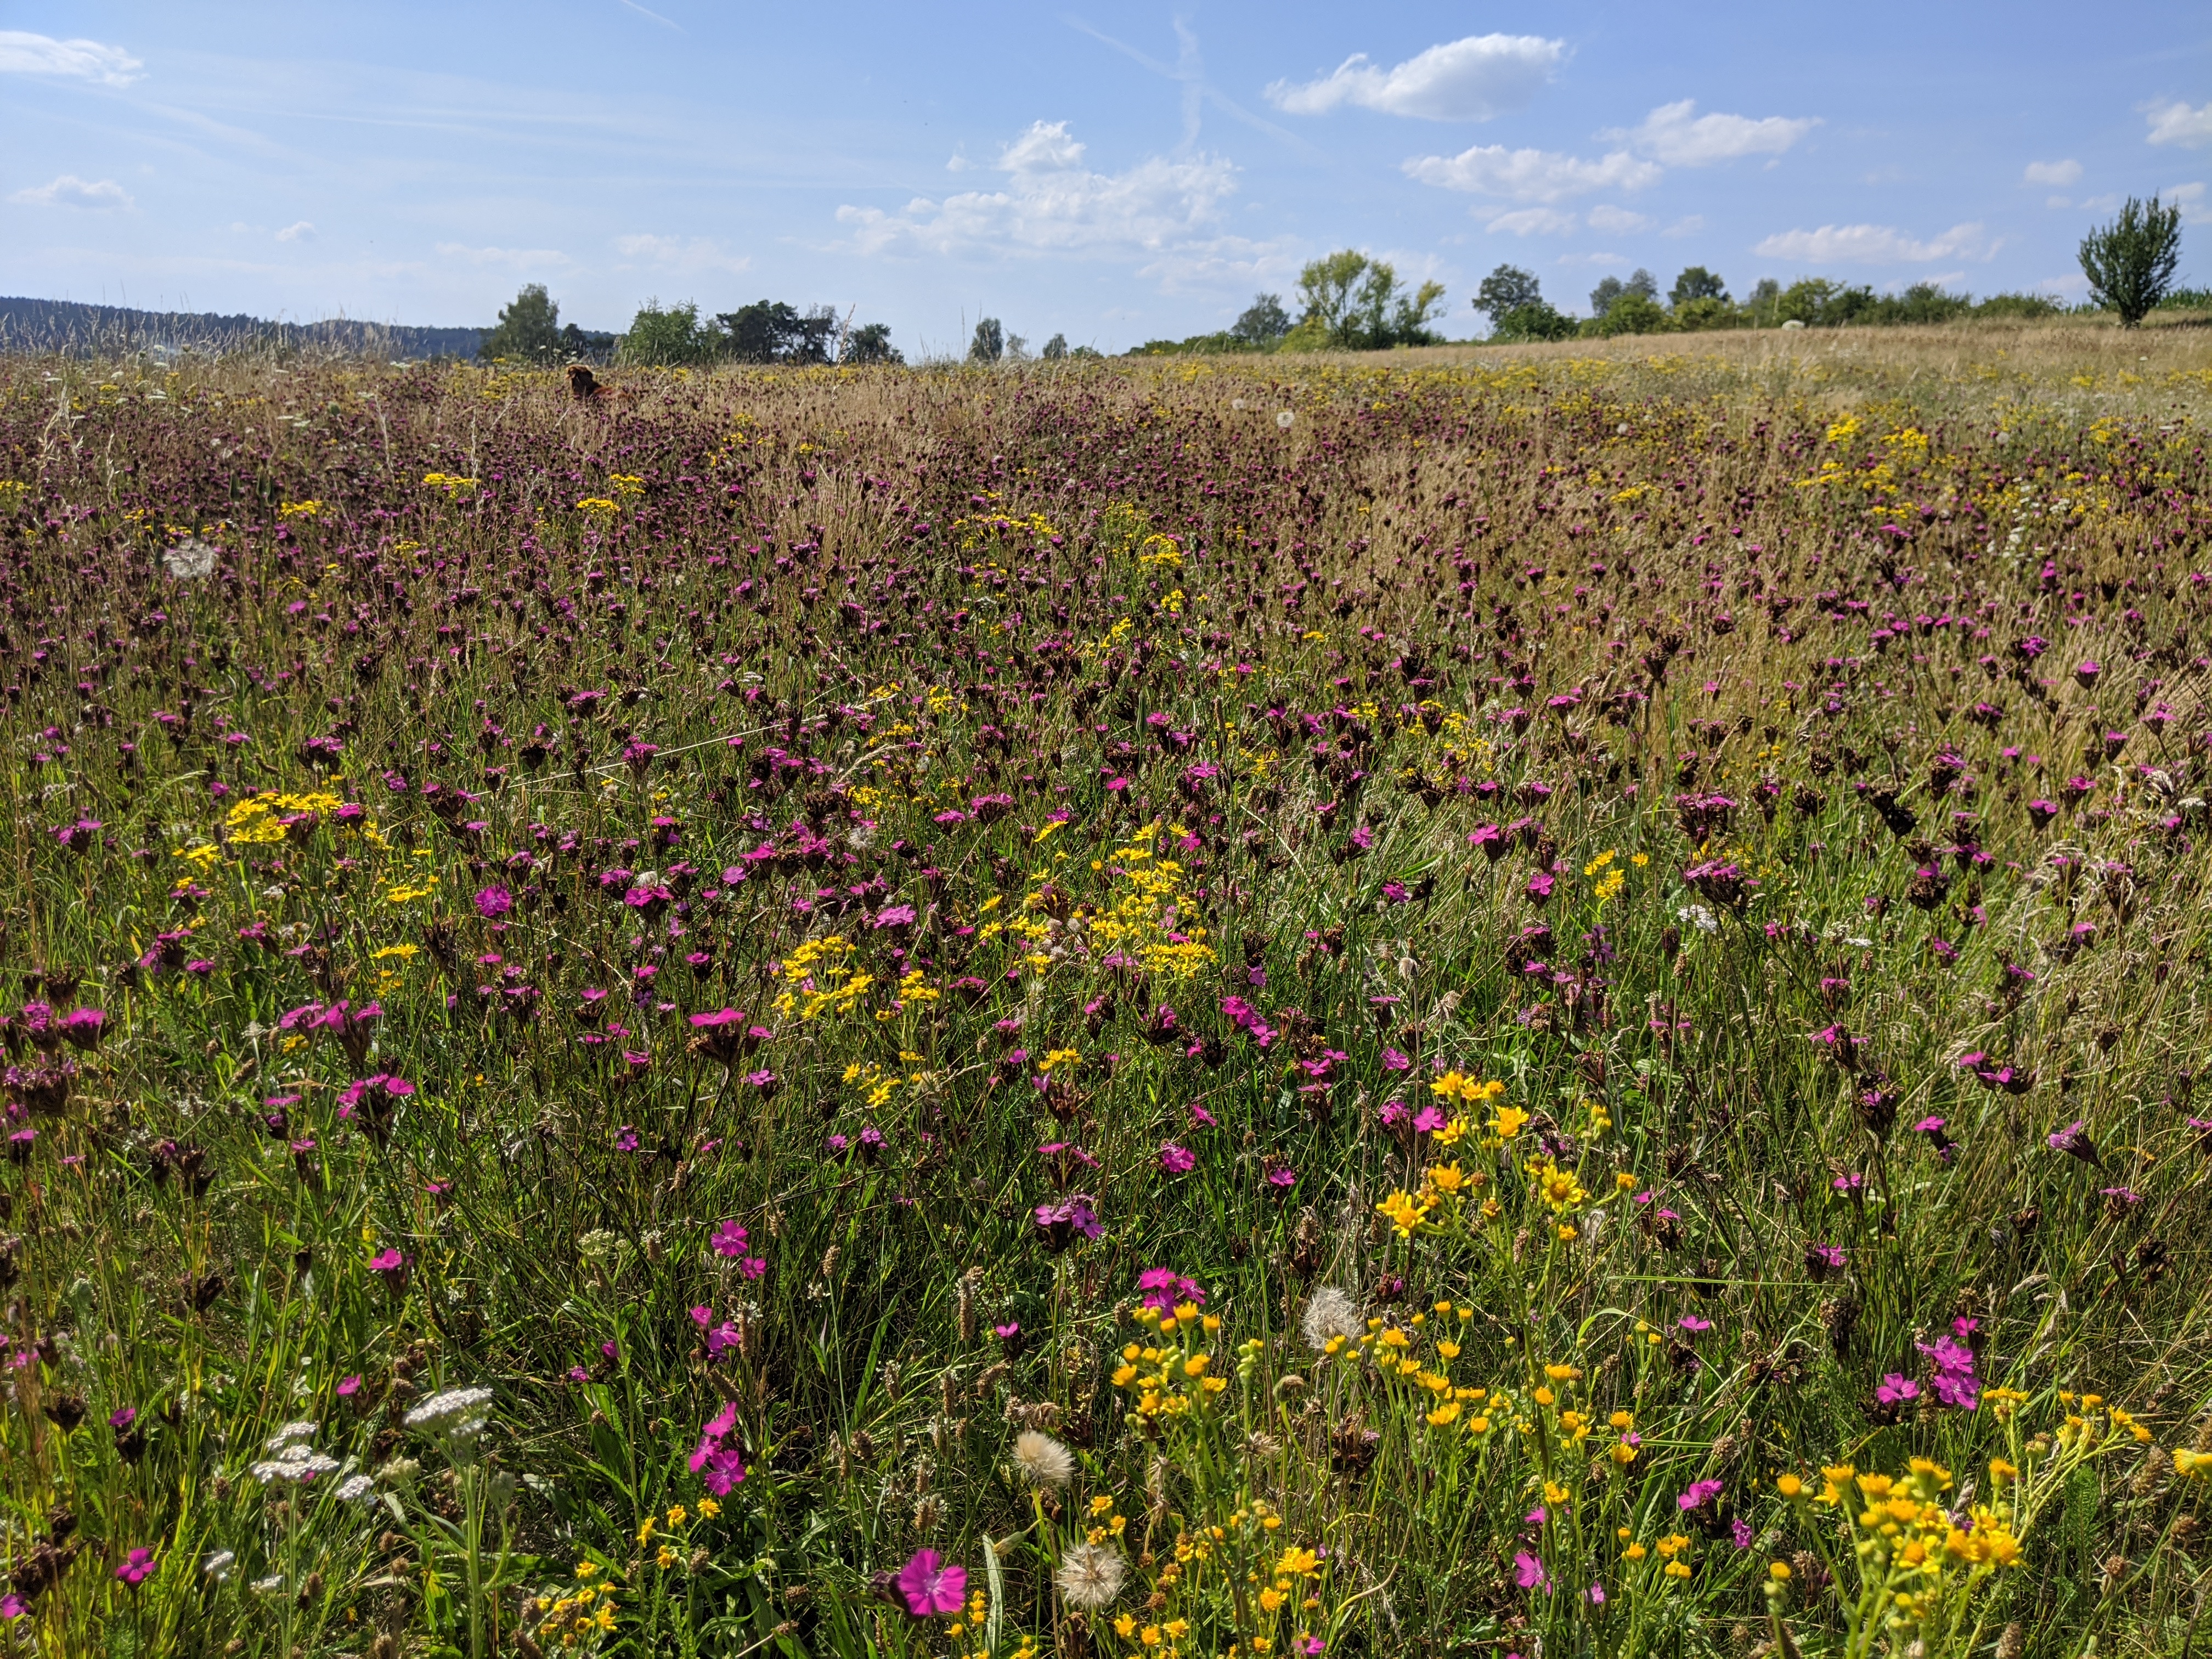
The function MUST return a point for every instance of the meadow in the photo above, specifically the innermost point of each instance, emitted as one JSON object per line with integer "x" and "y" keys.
{"x": 1527, "y": 1003}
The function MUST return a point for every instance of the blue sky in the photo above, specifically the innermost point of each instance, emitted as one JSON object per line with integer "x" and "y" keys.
{"x": 1112, "y": 173}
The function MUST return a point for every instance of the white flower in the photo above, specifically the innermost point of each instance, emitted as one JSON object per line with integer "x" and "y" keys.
{"x": 1042, "y": 1458}
{"x": 1283, "y": 418}
{"x": 357, "y": 1488}
{"x": 190, "y": 560}
{"x": 296, "y": 1459}
{"x": 1090, "y": 1576}
{"x": 269, "y": 1586}
{"x": 1330, "y": 1313}
{"x": 285, "y": 1437}
{"x": 1698, "y": 917}
{"x": 218, "y": 1566}
{"x": 459, "y": 1412}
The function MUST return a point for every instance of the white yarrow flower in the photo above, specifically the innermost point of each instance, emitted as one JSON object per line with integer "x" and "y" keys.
{"x": 357, "y": 1488}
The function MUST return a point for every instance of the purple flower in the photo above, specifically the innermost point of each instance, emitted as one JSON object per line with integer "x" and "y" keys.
{"x": 1954, "y": 1363}
{"x": 1895, "y": 1390}
{"x": 1163, "y": 1287}
{"x": 1282, "y": 1178}
{"x": 1059, "y": 1224}
{"x": 1395, "y": 1061}
{"x": 930, "y": 1587}
{"x": 137, "y": 1567}
{"x": 389, "y": 1261}
{"x": 2072, "y": 1139}
{"x": 721, "y": 1467}
{"x": 1695, "y": 1326}
{"x": 494, "y": 901}
{"x": 1528, "y": 1572}
{"x": 1698, "y": 1494}
{"x": 1740, "y": 1533}
{"x": 1177, "y": 1160}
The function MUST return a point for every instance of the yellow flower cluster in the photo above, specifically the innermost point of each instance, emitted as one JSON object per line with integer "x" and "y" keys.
{"x": 816, "y": 972}
{"x": 255, "y": 821}
{"x": 1174, "y": 1372}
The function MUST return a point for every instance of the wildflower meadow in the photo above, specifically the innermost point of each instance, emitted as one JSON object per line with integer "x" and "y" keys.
{"x": 1538, "y": 1005}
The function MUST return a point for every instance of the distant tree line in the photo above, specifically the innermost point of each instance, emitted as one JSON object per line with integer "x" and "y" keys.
{"x": 1512, "y": 300}
{"x": 765, "y": 331}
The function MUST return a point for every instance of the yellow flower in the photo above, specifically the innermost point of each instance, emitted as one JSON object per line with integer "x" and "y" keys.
{"x": 1296, "y": 1561}
{"x": 1444, "y": 1415}
{"x": 1402, "y": 1213}
{"x": 1509, "y": 1122}
{"x": 1446, "y": 1177}
{"x": 1125, "y": 1627}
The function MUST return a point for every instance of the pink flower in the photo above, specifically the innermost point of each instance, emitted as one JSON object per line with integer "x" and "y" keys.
{"x": 494, "y": 901}
{"x": 348, "y": 1386}
{"x": 1177, "y": 1160}
{"x": 930, "y": 1587}
{"x": 1163, "y": 1287}
{"x": 387, "y": 1261}
{"x": 137, "y": 1567}
{"x": 1698, "y": 1495}
{"x": 1528, "y": 1572}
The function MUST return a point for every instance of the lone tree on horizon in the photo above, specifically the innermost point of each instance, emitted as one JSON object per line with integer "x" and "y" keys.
{"x": 2130, "y": 262}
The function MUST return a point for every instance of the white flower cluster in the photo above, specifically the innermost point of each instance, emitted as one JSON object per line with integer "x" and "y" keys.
{"x": 457, "y": 1413}
{"x": 292, "y": 1456}
{"x": 190, "y": 560}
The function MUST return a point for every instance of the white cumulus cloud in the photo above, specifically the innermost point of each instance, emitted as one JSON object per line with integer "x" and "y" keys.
{"x": 70, "y": 191}
{"x": 1605, "y": 217}
{"x": 2190, "y": 199}
{"x": 1873, "y": 244}
{"x": 1531, "y": 175}
{"x": 22, "y": 53}
{"x": 1475, "y": 79}
{"x": 304, "y": 231}
{"x": 1689, "y": 225}
{"x": 2178, "y": 124}
{"x": 517, "y": 257}
{"x": 2061, "y": 174}
{"x": 1679, "y": 138}
{"x": 1533, "y": 222}
{"x": 1051, "y": 201}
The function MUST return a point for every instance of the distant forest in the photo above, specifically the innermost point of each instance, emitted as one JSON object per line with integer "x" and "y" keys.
{"x": 67, "y": 325}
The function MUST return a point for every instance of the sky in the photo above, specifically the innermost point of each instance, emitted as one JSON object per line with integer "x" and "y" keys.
{"x": 1111, "y": 173}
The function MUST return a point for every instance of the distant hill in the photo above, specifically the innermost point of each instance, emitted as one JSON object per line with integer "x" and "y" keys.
{"x": 67, "y": 326}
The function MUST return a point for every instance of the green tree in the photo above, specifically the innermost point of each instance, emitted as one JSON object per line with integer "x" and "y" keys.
{"x": 1608, "y": 292}
{"x": 989, "y": 344}
{"x": 1696, "y": 282}
{"x": 1765, "y": 297}
{"x": 1692, "y": 315}
{"x": 871, "y": 343}
{"x": 2129, "y": 262}
{"x": 1357, "y": 304}
{"x": 1055, "y": 349}
{"x": 1630, "y": 312}
{"x": 529, "y": 329}
{"x": 1263, "y": 322}
{"x": 671, "y": 336}
{"x": 1507, "y": 290}
{"x": 1536, "y": 320}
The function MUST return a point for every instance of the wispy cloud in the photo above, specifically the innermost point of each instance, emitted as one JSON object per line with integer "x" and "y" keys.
{"x": 1188, "y": 71}
{"x": 2060, "y": 174}
{"x": 518, "y": 258}
{"x": 1533, "y": 222}
{"x": 22, "y": 53}
{"x": 1873, "y": 244}
{"x": 1531, "y": 175}
{"x": 303, "y": 231}
{"x": 686, "y": 255}
{"x": 1677, "y": 135}
{"x": 642, "y": 11}
{"x": 1605, "y": 217}
{"x": 1475, "y": 79}
{"x": 1689, "y": 225}
{"x": 70, "y": 191}
{"x": 2178, "y": 124}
